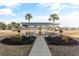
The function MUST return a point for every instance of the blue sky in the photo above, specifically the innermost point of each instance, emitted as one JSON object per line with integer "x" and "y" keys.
{"x": 15, "y": 12}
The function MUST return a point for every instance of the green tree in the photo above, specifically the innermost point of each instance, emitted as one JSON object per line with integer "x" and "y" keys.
{"x": 53, "y": 17}
{"x": 50, "y": 20}
{"x": 15, "y": 26}
{"x": 28, "y": 17}
{"x": 9, "y": 26}
{"x": 2, "y": 26}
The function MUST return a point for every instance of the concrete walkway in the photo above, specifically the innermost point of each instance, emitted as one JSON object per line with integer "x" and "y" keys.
{"x": 40, "y": 48}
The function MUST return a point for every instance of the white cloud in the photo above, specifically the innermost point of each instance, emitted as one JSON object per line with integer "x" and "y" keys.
{"x": 71, "y": 20}
{"x": 41, "y": 1}
{"x": 57, "y": 7}
{"x": 75, "y": 3}
{"x": 6, "y": 11}
{"x": 40, "y": 19}
{"x": 53, "y": 6}
{"x": 9, "y": 4}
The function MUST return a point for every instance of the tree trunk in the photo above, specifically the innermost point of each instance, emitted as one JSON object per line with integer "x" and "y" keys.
{"x": 29, "y": 28}
{"x": 53, "y": 26}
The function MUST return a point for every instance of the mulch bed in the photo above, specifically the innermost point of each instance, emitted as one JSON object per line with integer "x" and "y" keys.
{"x": 10, "y": 47}
{"x": 18, "y": 41}
{"x": 60, "y": 41}
{"x": 59, "y": 47}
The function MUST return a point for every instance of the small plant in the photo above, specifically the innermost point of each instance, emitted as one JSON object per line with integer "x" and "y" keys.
{"x": 19, "y": 39}
{"x": 66, "y": 39}
{"x": 50, "y": 34}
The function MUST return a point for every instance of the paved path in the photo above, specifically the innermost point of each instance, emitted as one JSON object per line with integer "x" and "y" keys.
{"x": 40, "y": 48}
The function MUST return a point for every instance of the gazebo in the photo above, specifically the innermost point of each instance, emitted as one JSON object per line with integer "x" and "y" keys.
{"x": 35, "y": 26}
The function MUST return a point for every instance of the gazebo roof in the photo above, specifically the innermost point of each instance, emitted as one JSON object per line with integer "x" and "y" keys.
{"x": 37, "y": 24}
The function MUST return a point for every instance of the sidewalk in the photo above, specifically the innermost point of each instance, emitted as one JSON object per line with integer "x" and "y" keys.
{"x": 40, "y": 48}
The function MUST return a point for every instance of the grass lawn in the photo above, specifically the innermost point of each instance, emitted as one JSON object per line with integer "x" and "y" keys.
{"x": 71, "y": 33}
{"x": 5, "y": 33}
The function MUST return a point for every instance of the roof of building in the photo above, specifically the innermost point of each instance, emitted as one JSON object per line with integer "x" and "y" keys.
{"x": 37, "y": 24}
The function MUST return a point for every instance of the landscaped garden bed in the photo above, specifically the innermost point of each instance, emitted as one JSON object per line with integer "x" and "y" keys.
{"x": 63, "y": 46}
{"x": 18, "y": 40}
{"x": 16, "y": 46}
{"x": 64, "y": 40}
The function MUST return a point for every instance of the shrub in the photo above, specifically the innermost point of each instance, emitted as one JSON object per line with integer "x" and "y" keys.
{"x": 2, "y": 26}
{"x": 66, "y": 39}
{"x": 19, "y": 39}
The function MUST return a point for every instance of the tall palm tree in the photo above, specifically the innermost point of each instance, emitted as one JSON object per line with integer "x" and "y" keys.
{"x": 28, "y": 16}
{"x": 53, "y": 17}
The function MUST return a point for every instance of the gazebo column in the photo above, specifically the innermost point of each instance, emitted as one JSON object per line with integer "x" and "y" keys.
{"x": 45, "y": 31}
{"x": 34, "y": 30}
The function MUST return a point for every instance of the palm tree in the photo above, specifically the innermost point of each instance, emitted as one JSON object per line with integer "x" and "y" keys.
{"x": 50, "y": 20}
{"x": 53, "y": 17}
{"x": 28, "y": 16}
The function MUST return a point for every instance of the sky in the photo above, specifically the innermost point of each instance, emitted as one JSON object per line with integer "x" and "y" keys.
{"x": 15, "y": 12}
